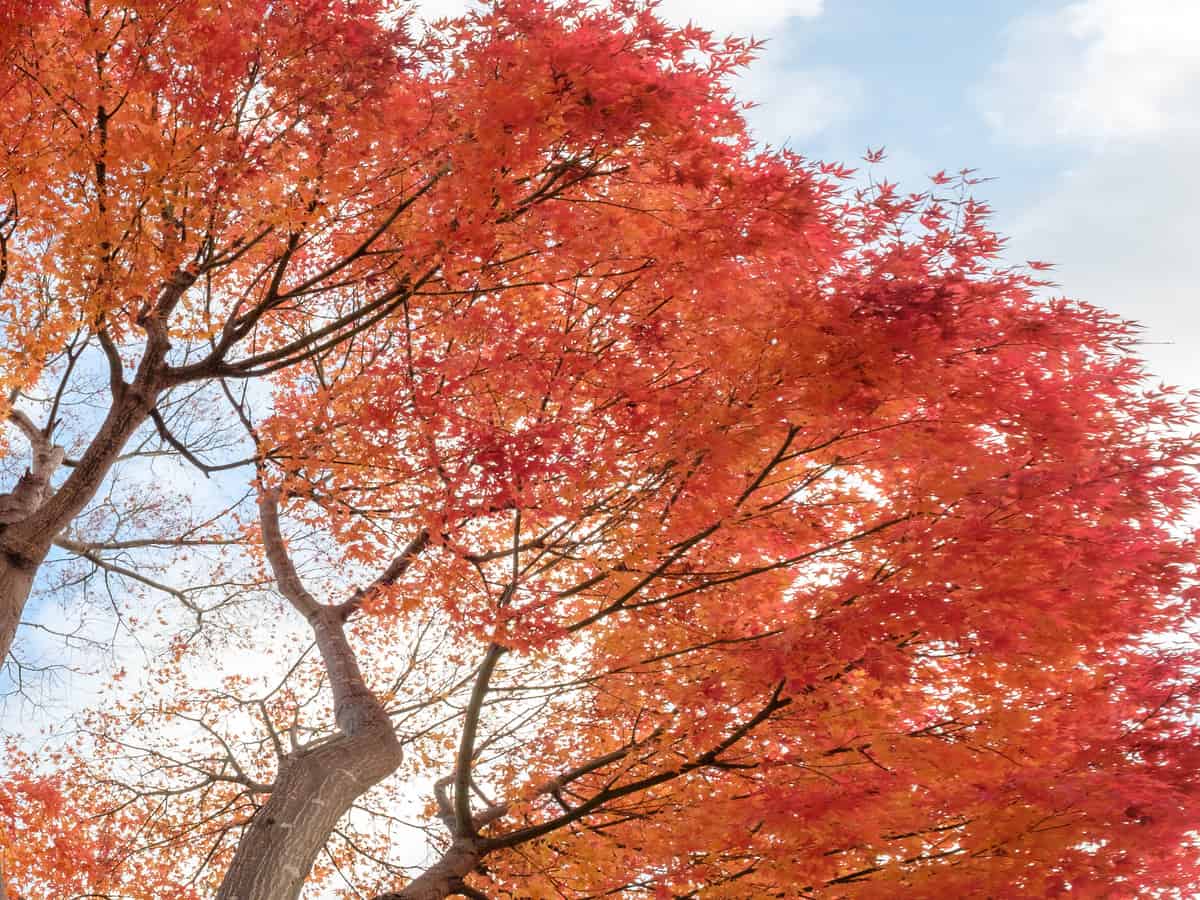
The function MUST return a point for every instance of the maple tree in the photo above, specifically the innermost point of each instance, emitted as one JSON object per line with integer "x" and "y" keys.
{"x": 674, "y": 517}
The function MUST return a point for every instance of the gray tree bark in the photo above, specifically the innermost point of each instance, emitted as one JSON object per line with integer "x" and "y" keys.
{"x": 317, "y": 785}
{"x": 314, "y": 789}
{"x": 32, "y": 515}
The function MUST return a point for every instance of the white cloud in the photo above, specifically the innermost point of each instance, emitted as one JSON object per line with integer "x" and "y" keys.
{"x": 794, "y": 105}
{"x": 1099, "y": 71}
{"x": 1114, "y": 82}
{"x": 758, "y": 18}
{"x": 1120, "y": 228}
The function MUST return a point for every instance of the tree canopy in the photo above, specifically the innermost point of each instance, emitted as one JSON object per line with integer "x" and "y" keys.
{"x": 494, "y": 474}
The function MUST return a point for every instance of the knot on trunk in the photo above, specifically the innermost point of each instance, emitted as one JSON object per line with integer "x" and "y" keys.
{"x": 357, "y": 711}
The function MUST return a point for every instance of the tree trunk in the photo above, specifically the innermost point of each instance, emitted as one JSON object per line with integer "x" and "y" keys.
{"x": 16, "y": 581}
{"x": 315, "y": 788}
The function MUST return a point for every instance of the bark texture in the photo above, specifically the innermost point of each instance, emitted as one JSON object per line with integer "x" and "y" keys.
{"x": 16, "y": 581}
{"x": 314, "y": 789}
{"x": 33, "y": 514}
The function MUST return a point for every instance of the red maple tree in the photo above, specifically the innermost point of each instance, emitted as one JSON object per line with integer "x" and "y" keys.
{"x": 678, "y": 518}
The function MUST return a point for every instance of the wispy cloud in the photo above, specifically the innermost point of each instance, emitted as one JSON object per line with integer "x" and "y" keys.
{"x": 1113, "y": 84}
{"x": 757, "y": 18}
{"x": 794, "y": 105}
{"x": 1098, "y": 71}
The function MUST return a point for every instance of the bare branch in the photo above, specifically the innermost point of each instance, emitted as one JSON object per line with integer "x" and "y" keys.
{"x": 286, "y": 577}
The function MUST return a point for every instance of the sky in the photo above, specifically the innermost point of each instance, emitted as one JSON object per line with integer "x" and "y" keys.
{"x": 1085, "y": 115}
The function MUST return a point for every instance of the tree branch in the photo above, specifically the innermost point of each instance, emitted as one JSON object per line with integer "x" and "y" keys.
{"x": 390, "y": 575}
{"x": 286, "y": 577}
{"x": 464, "y": 826}
{"x": 709, "y": 758}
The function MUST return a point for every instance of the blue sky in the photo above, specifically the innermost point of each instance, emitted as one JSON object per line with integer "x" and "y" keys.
{"x": 1085, "y": 113}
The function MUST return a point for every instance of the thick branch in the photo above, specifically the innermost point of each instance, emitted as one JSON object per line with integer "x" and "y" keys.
{"x": 317, "y": 784}
{"x": 131, "y": 406}
{"x": 282, "y": 568}
{"x": 466, "y": 748}
{"x": 355, "y": 707}
{"x": 33, "y": 487}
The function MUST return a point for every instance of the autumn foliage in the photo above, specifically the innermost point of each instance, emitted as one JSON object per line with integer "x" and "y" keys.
{"x": 672, "y": 516}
